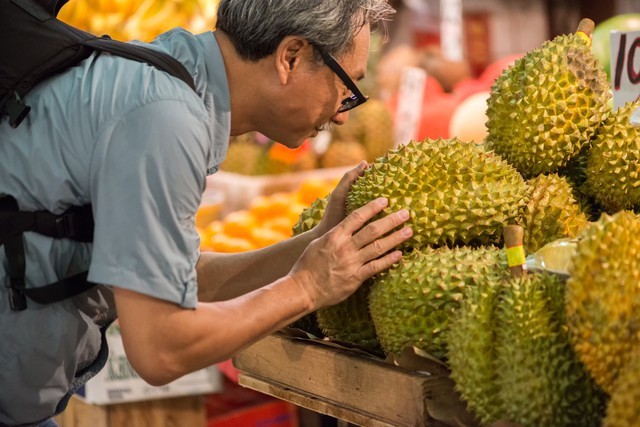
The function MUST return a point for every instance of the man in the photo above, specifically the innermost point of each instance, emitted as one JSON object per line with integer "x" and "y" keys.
{"x": 137, "y": 144}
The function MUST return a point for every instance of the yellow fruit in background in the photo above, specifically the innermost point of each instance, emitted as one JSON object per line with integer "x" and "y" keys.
{"x": 312, "y": 189}
{"x": 281, "y": 224}
{"x": 239, "y": 224}
{"x": 263, "y": 236}
{"x": 224, "y": 243}
{"x": 264, "y": 207}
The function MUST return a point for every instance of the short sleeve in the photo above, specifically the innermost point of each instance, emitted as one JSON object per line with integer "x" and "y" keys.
{"x": 147, "y": 176}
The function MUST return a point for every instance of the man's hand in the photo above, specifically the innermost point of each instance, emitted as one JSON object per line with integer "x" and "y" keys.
{"x": 333, "y": 266}
{"x": 335, "y": 211}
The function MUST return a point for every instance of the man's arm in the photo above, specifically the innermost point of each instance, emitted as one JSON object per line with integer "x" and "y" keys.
{"x": 164, "y": 342}
{"x": 225, "y": 276}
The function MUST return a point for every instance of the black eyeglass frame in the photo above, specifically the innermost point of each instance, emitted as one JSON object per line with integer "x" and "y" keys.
{"x": 357, "y": 98}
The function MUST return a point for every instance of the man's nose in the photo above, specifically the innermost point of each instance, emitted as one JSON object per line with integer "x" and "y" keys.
{"x": 340, "y": 118}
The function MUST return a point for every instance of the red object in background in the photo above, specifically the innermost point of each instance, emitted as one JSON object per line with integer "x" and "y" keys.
{"x": 239, "y": 406}
{"x": 476, "y": 40}
{"x": 495, "y": 69}
{"x": 228, "y": 370}
{"x": 469, "y": 86}
{"x": 436, "y": 115}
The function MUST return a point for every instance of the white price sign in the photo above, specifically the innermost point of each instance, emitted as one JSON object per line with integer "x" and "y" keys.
{"x": 409, "y": 109}
{"x": 625, "y": 66}
{"x": 451, "y": 29}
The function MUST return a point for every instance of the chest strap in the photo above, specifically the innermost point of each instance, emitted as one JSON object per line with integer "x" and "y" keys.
{"x": 76, "y": 224}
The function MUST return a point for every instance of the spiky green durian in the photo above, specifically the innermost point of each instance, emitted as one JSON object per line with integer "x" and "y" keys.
{"x": 512, "y": 359}
{"x": 311, "y": 216}
{"x": 603, "y": 295}
{"x": 552, "y": 212}
{"x": 412, "y": 303}
{"x": 623, "y": 409}
{"x": 545, "y": 108}
{"x": 541, "y": 380}
{"x": 350, "y": 320}
{"x": 455, "y": 192}
{"x": 613, "y": 165}
{"x": 471, "y": 350}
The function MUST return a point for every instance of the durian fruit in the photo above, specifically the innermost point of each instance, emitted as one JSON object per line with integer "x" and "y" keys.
{"x": 511, "y": 356}
{"x": 546, "y": 107}
{"x": 343, "y": 152}
{"x": 377, "y": 126}
{"x": 575, "y": 172}
{"x": 613, "y": 165}
{"x": 243, "y": 155}
{"x": 350, "y": 321}
{"x": 371, "y": 125}
{"x": 311, "y": 216}
{"x": 455, "y": 192}
{"x": 471, "y": 350}
{"x": 603, "y": 295}
{"x": 623, "y": 409}
{"x": 541, "y": 380}
{"x": 412, "y": 303}
{"x": 552, "y": 212}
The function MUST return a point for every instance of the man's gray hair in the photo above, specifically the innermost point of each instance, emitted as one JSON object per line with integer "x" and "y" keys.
{"x": 256, "y": 27}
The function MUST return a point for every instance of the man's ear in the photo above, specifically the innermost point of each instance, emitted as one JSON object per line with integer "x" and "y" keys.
{"x": 288, "y": 55}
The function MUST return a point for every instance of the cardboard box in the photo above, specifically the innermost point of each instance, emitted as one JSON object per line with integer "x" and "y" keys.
{"x": 118, "y": 382}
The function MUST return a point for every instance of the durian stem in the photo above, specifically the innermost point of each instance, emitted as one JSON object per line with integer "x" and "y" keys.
{"x": 514, "y": 242}
{"x": 586, "y": 26}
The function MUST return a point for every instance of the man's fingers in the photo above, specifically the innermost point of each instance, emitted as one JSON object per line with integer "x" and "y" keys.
{"x": 380, "y": 227}
{"x": 356, "y": 219}
{"x": 379, "y": 265}
{"x": 383, "y": 245}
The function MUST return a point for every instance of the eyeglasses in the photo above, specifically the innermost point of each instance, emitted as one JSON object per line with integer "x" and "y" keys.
{"x": 356, "y": 97}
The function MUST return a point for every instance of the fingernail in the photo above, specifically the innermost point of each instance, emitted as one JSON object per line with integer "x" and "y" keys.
{"x": 382, "y": 201}
{"x": 403, "y": 214}
{"x": 362, "y": 165}
{"x": 396, "y": 255}
{"x": 406, "y": 232}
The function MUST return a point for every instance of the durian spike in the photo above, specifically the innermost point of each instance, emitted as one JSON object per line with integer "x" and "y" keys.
{"x": 514, "y": 242}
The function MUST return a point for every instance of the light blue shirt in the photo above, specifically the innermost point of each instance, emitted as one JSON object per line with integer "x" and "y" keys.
{"x": 137, "y": 144}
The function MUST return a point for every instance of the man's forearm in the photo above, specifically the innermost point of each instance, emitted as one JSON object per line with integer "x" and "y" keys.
{"x": 226, "y": 276}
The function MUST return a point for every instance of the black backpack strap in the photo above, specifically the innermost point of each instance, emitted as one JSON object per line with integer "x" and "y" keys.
{"x": 14, "y": 250}
{"x": 138, "y": 53}
{"x": 60, "y": 290}
{"x": 76, "y": 223}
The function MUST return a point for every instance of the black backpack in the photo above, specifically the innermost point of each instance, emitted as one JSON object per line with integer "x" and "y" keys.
{"x": 36, "y": 45}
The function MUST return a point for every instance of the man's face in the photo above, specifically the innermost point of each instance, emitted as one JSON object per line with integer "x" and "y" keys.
{"x": 316, "y": 93}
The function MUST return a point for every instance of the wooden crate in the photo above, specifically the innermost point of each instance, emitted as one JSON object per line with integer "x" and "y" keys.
{"x": 174, "y": 412}
{"x": 349, "y": 386}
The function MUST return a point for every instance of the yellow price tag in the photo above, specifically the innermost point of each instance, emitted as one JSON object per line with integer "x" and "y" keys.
{"x": 515, "y": 256}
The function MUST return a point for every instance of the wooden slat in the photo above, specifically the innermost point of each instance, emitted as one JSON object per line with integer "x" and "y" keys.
{"x": 175, "y": 412}
{"x": 346, "y": 385}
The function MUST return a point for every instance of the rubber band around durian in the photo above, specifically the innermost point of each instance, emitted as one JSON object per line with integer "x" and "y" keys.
{"x": 584, "y": 36}
{"x": 515, "y": 256}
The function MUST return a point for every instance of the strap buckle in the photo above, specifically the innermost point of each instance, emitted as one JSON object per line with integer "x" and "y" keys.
{"x": 17, "y": 298}
{"x": 16, "y": 109}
